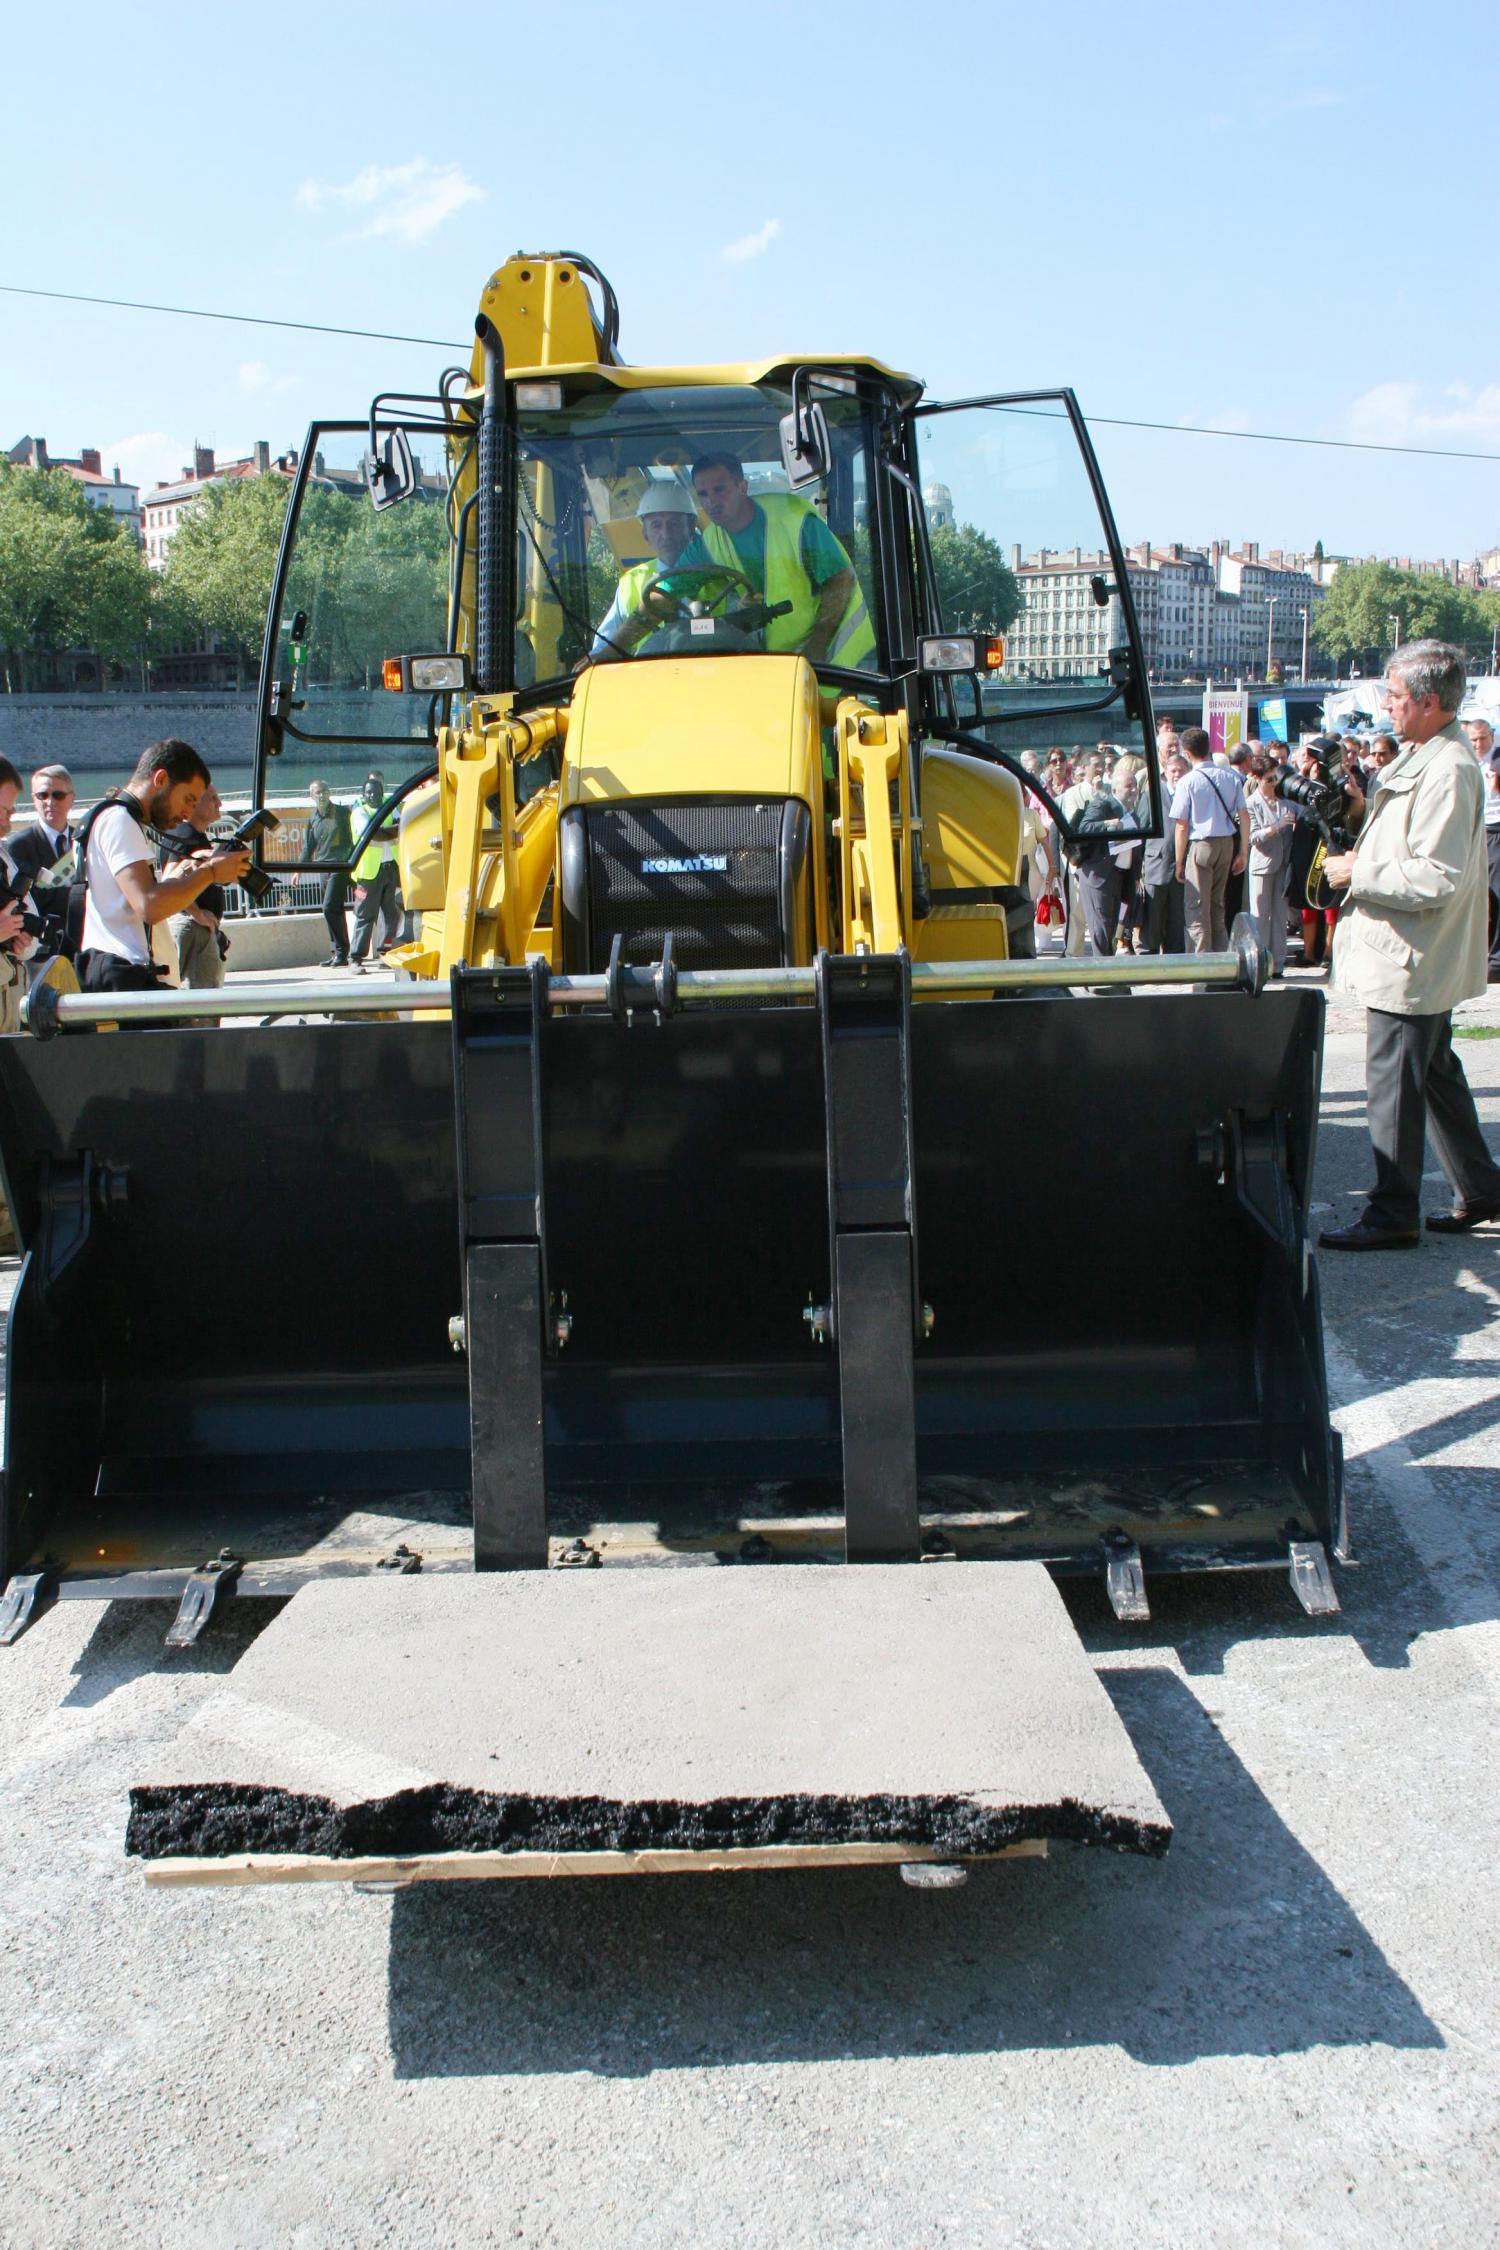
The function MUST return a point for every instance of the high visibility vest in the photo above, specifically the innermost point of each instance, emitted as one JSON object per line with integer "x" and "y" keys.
{"x": 380, "y": 848}
{"x": 853, "y": 642}
{"x": 633, "y": 583}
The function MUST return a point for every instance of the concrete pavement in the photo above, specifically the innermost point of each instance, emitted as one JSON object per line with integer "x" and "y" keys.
{"x": 1285, "y": 2033}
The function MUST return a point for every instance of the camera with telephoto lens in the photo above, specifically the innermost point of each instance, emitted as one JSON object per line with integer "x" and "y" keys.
{"x": 256, "y": 884}
{"x": 1324, "y": 803}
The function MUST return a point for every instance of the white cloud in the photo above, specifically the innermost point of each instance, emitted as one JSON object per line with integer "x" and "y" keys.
{"x": 406, "y": 201}
{"x": 257, "y": 379}
{"x": 148, "y": 458}
{"x": 1407, "y": 414}
{"x": 752, "y": 245}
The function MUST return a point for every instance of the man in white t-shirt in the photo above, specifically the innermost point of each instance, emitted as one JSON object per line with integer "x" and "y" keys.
{"x": 126, "y": 894}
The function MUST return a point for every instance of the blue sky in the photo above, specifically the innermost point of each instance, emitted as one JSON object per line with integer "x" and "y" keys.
{"x": 1276, "y": 218}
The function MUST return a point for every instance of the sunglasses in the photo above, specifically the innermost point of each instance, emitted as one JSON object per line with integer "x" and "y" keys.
{"x": 51, "y": 792}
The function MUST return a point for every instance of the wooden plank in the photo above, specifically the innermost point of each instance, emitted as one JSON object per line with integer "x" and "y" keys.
{"x": 472, "y": 1867}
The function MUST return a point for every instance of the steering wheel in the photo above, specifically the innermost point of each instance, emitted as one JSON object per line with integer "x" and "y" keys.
{"x": 666, "y": 597}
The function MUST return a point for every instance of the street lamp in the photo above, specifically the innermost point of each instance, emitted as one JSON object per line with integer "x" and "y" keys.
{"x": 1302, "y": 675}
{"x": 1393, "y": 619}
{"x": 1270, "y": 622}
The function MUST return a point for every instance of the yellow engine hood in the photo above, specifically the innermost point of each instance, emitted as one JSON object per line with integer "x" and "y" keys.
{"x": 693, "y": 726}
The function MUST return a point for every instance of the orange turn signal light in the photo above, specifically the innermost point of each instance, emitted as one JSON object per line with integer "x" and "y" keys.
{"x": 390, "y": 675}
{"x": 994, "y": 653}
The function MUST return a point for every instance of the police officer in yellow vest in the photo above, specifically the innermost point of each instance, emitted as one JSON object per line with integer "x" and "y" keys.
{"x": 670, "y": 522}
{"x": 786, "y": 550}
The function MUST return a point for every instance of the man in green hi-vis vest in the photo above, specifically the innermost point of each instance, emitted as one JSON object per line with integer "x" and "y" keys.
{"x": 670, "y": 522}
{"x": 786, "y": 550}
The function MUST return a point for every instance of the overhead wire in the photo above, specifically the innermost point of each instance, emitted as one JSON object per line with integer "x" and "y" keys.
{"x": 447, "y": 343}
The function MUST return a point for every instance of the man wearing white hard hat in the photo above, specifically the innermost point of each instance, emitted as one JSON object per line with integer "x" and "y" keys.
{"x": 669, "y": 518}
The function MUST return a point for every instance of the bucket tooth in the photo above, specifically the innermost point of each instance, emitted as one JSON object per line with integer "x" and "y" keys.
{"x": 1125, "y": 1581}
{"x": 200, "y": 1598}
{"x": 22, "y": 1599}
{"x": 1312, "y": 1580}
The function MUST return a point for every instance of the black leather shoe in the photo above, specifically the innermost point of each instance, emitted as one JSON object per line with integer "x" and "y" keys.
{"x": 1365, "y": 1237}
{"x": 1463, "y": 1218}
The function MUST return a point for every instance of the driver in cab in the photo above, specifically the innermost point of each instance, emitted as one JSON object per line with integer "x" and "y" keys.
{"x": 784, "y": 549}
{"x": 670, "y": 522}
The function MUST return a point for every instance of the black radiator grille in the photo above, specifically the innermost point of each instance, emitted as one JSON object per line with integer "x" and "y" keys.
{"x": 652, "y": 869}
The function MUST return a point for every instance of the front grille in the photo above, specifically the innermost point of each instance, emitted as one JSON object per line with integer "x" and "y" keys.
{"x": 646, "y": 876}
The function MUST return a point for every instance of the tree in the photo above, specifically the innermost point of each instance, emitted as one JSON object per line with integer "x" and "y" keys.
{"x": 1369, "y": 604}
{"x": 221, "y": 564}
{"x": 372, "y": 584}
{"x": 977, "y": 591}
{"x": 71, "y": 575}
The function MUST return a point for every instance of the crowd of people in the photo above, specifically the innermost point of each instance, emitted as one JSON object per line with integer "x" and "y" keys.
{"x": 1234, "y": 842}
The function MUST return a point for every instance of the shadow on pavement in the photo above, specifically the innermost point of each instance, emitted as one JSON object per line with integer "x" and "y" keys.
{"x": 1235, "y": 1944}
{"x": 130, "y": 1641}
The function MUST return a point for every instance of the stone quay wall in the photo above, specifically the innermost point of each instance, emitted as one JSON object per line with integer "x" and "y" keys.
{"x": 101, "y": 733}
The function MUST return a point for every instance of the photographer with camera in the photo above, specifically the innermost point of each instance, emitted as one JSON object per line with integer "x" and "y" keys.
{"x": 1327, "y": 806}
{"x": 125, "y": 894}
{"x": 1411, "y": 943}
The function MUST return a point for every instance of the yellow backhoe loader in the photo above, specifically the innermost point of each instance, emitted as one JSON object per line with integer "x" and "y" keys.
{"x": 713, "y": 1178}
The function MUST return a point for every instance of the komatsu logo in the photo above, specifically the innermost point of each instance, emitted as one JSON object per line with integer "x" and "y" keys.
{"x": 701, "y": 863}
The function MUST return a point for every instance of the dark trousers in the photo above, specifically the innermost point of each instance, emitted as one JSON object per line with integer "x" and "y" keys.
{"x": 381, "y": 903}
{"x": 1099, "y": 893}
{"x": 1492, "y": 842}
{"x": 336, "y": 913}
{"x": 1163, "y": 928}
{"x": 106, "y": 972}
{"x": 1415, "y": 1085}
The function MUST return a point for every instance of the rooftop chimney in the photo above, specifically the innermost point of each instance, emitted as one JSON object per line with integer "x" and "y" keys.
{"x": 203, "y": 461}
{"x": 89, "y": 459}
{"x": 262, "y": 458}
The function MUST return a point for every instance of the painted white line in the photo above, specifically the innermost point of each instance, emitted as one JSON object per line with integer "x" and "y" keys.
{"x": 1435, "y": 1526}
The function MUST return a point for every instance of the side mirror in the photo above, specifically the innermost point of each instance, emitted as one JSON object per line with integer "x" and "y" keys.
{"x": 806, "y": 450}
{"x": 390, "y": 471}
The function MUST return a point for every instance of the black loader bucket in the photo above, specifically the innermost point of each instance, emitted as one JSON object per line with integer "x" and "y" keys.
{"x": 593, "y": 1269}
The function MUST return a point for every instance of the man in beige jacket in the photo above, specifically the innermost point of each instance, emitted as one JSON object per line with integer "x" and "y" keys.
{"x": 1412, "y": 942}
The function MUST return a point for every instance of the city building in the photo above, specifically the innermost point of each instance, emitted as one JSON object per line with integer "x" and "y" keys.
{"x": 165, "y": 506}
{"x": 1063, "y": 630}
{"x": 109, "y": 492}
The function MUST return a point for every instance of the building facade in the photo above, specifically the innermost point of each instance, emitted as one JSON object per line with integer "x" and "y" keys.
{"x": 111, "y": 492}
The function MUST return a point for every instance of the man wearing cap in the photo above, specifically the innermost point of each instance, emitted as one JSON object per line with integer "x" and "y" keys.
{"x": 784, "y": 548}
{"x": 668, "y": 518}
{"x": 1411, "y": 944}
{"x": 1482, "y": 735}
